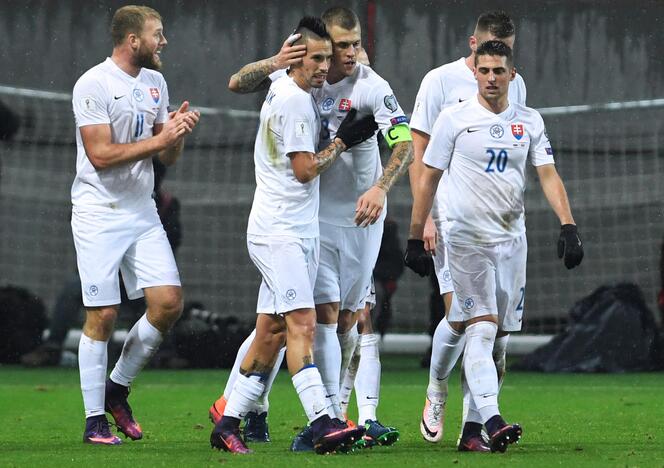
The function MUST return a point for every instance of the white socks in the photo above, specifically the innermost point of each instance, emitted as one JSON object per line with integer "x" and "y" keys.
{"x": 246, "y": 391}
{"x": 348, "y": 381}
{"x": 92, "y": 362}
{"x": 480, "y": 369}
{"x": 327, "y": 356}
{"x": 235, "y": 371}
{"x": 141, "y": 343}
{"x": 263, "y": 403}
{"x": 367, "y": 383}
{"x": 348, "y": 342}
{"x": 446, "y": 348}
{"x": 499, "y": 351}
{"x": 310, "y": 389}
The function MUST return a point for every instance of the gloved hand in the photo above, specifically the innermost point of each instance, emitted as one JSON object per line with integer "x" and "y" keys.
{"x": 353, "y": 131}
{"x": 416, "y": 257}
{"x": 569, "y": 246}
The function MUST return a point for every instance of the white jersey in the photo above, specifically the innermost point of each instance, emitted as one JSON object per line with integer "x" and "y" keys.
{"x": 442, "y": 87}
{"x": 131, "y": 106}
{"x": 354, "y": 171}
{"x": 485, "y": 155}
{"x": 282, "y": 205}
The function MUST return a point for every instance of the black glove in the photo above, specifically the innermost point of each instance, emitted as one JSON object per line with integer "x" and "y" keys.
{"x": 570, "y": 246}
{"x": 416, "y": 257}
{"x": 353, "y": 131}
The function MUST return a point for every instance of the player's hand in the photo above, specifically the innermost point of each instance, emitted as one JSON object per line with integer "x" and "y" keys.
{"x": 430, "y": 236}
{"x": 416, "y": 257}
{"x": 354, "y": 130}
{"x": 289, "y": 54}
{"x": 173, "y": 132}
{"x": 369, "y": 206}
{"x": 191, "y": 118}
{"x": 570, "y": 247}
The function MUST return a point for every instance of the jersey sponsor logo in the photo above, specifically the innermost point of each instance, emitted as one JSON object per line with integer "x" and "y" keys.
{"x": 118, "y": 97}
{"x": 138, "y": 94}
{"x": 301, "y": 128}
{"x": 469, "y": 303}
{"x": 461, "y": 100}
{"x": 344, "y": 105}
{"x": 496, "y": 131}
{"x": 398, "y": 120}
{"x": 291, "y": 294}
{"x": 391, "y": 103}
{"x": 517, "y": 131}
{"x": 93, "y": 290}
{"x": 472, "y": 130}
{"x": 327, "y": 104}
{"x": 154, "y": 92}
{"x": 549, "y": 151}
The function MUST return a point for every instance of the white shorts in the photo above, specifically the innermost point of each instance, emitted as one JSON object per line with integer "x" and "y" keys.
{"x": 347, "y": 258}
{"x": 134, "y": 244}
{"x": 442, "y": 268}
{"x": 490, "y": 280}
{"x": 288, "y": 266}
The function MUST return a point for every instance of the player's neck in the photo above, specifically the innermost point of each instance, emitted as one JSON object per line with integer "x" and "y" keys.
{"x": 470, "y": 61}
{"x": 496, "y": 106}
{"x": 301, "y": 82}
{"x": 124, "y": 63}
{"x": 334, "y": 76}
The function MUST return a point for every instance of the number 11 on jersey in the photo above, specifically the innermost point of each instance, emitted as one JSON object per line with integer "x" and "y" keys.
{"x": 140, "y": 119}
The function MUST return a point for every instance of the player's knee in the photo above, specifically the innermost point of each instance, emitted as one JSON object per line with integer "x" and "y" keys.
{"x": 169, "y": 307}
{"x": 346, "y": 321}
{"x": 302, "y": 331}
{"x": 458, "y": 327}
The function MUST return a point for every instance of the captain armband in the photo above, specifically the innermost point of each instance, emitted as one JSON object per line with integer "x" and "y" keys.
{"x": 397, "y": 133}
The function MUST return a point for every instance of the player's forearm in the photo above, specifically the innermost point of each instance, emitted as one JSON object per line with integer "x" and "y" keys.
{"x": 556, "y": 195}
{"x": 424, "y": 191}
{"x": 397, "y": 165}
{"x": 107, "y": 155}
{"x": 253, "y": 77}
{"x": 171, "y": 154}
{"x": 324, "y": 159}
{"x": 420, "y": 142}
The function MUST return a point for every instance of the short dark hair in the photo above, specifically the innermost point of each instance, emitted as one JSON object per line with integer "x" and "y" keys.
{"x": 497, "y": 23}
{"x": 340, "y": 16}
{"x": 130, "y": 19}
{"x": 311, "y": 27}
{"x": 494, "y": 48}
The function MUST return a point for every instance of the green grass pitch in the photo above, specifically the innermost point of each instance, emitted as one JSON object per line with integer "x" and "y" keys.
{"x": 568, "y": 420}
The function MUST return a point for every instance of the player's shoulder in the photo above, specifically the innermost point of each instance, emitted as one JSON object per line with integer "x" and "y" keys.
{"x": 446, "y": 71}
{"x": 287, "y": 95}
{"x": 526, "y": 113}
{"x": 94, "y": 78}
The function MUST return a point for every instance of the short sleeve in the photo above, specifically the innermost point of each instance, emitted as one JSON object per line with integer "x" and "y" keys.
{"x": 386, "y": 109}
{"x": 441, "y": 145}
{"x": 541, "y": 152}
{"x": 162, "y": 114}
{"x": 428, "y": 104}
{"x": 275, "y": 75}
{"x": 89, "y": 101}
{"x": 300, "y": 125}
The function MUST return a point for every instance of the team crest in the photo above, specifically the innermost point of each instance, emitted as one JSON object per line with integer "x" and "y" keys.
{"x": 517, "y": 131}
{"x": 344, "y": 105}
{"x": 496, "y": 131}
{"x": 469, "y": 303}
{"x": 138, "y": 94}
{"x": 154, "y": 92}
{"x": 327, "y": 104}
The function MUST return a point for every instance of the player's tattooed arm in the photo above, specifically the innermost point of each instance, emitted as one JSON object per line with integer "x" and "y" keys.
{"x": 256, "y": 76}
{"x": 308, "y": 166}
{"x": 307, "y": 360}
{"x": 397, "y": 165}
{"x": 257, "y": 367}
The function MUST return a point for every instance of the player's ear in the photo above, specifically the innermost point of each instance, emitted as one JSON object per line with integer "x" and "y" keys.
{"x": 513, "y": 73}
{"x": 472, "y": 43}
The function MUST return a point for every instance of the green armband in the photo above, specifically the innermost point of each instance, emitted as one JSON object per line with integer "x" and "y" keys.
{"x": 397, "y": 133}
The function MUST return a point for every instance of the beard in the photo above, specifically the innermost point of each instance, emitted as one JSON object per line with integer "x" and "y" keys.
{"x": 146, "y": 59}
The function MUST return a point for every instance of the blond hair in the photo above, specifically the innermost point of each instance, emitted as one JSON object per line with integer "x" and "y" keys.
{"x": 130, "y": 19}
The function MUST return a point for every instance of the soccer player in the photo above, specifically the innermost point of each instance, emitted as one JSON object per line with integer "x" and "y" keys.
{"x": 351, "y": 221}
{"x": 122, "y": 120}
{"x": 282, "y": 239}
{"x": 442, "y": 87}
{"x": 483, "y": 144}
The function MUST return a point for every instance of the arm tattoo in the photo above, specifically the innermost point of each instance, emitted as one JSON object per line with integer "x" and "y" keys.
{"x": 325, "y": 158}
{"x": 402, "y": 156}
{"x": 254, "y": 76}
